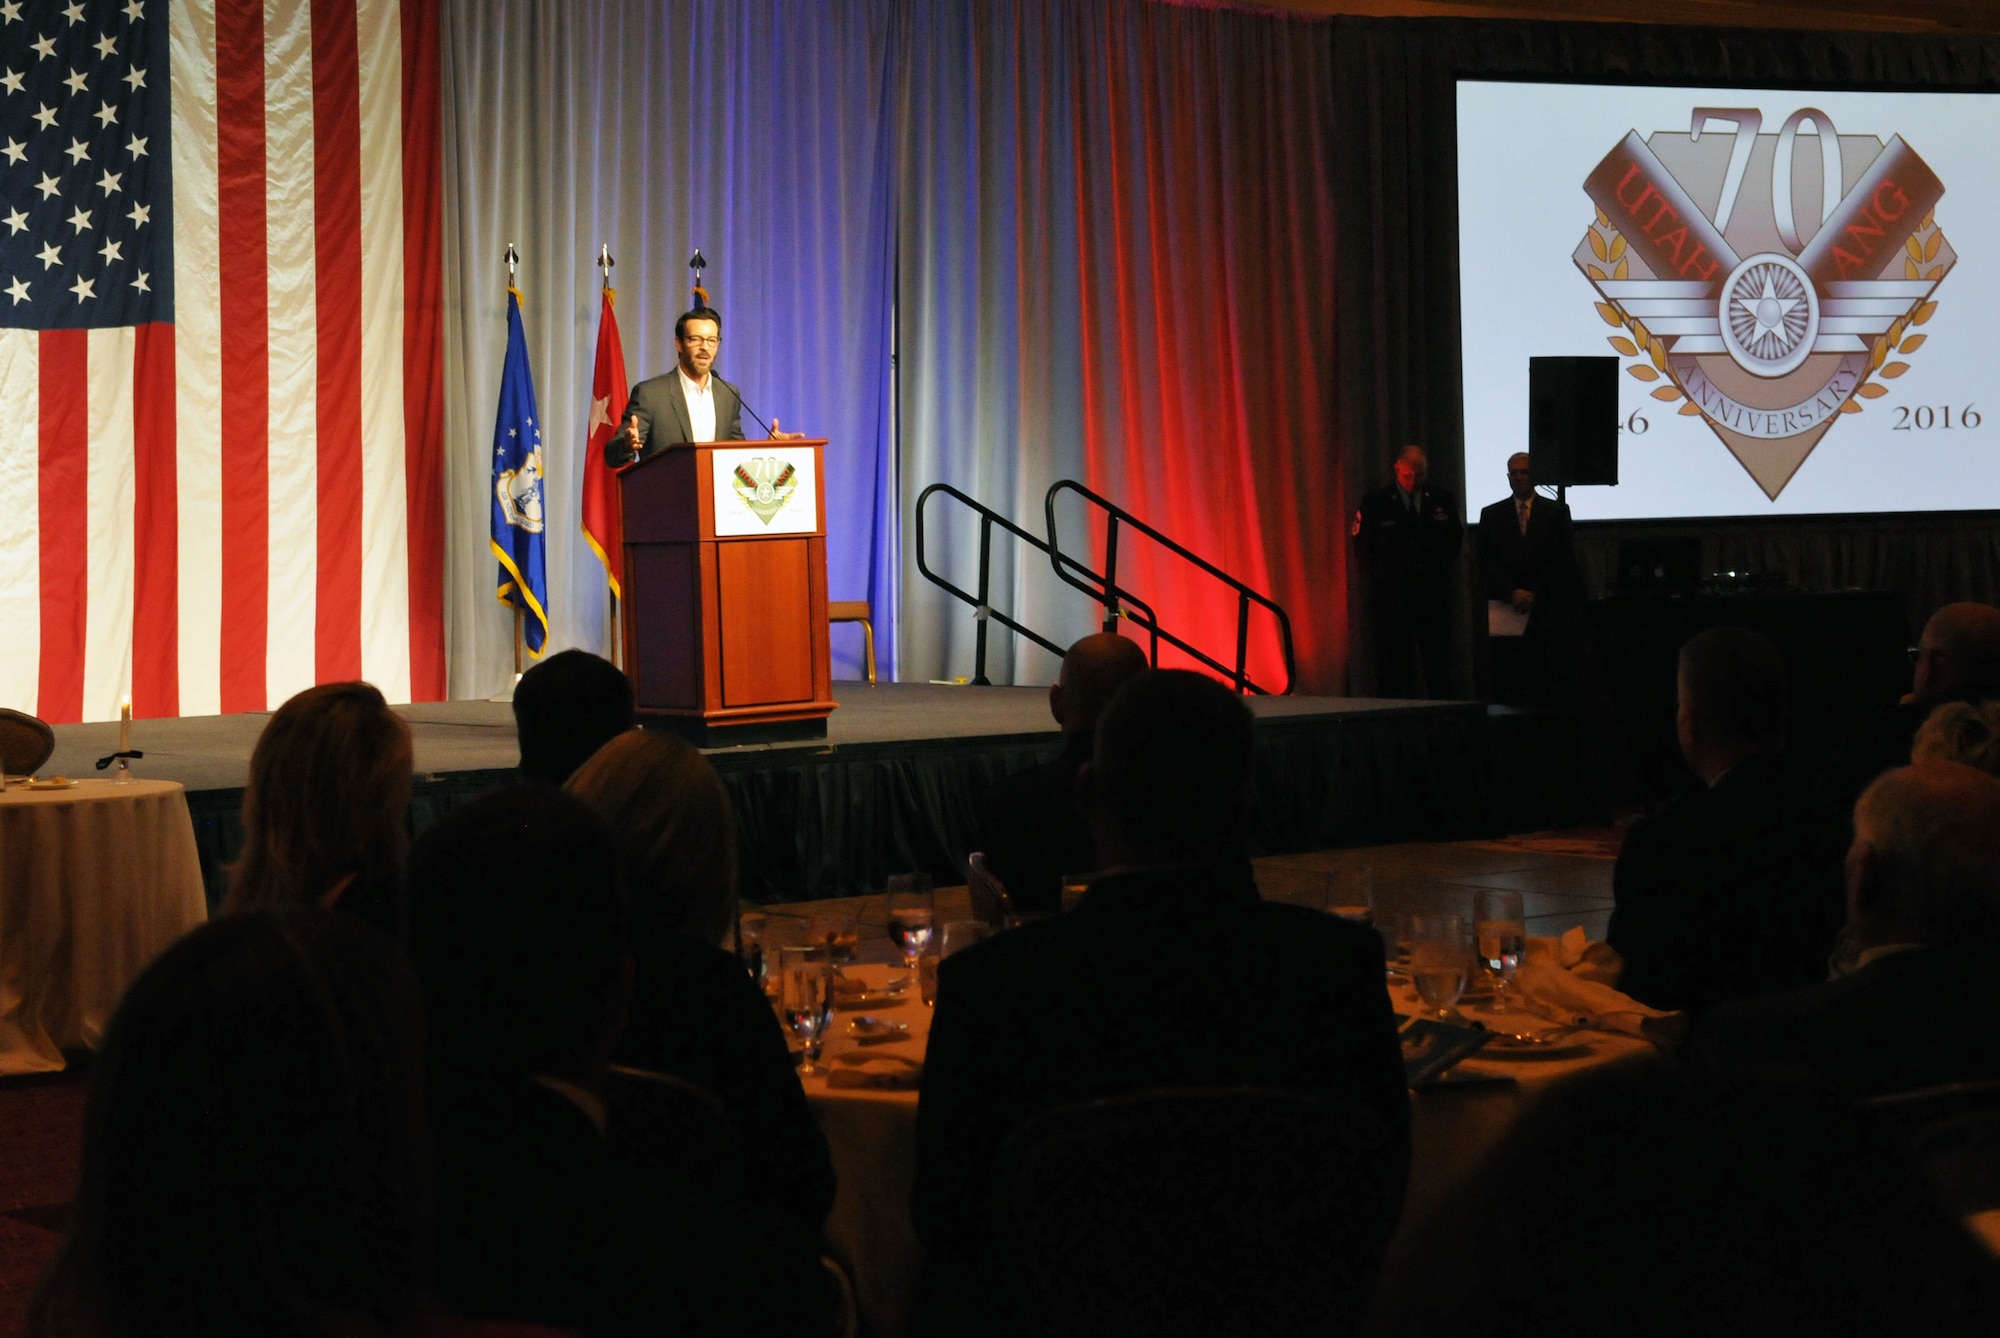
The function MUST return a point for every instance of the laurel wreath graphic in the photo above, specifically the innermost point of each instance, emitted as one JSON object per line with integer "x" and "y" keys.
{"x": 1650, "y": 354}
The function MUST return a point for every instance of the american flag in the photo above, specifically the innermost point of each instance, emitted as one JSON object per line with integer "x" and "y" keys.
{"x": 220, "y": 353}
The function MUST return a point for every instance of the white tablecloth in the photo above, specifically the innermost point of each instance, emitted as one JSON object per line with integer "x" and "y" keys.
{"x": 94, "y": 882}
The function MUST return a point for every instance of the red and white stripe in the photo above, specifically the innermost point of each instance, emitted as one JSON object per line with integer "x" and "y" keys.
{"x": 214, "y": 514}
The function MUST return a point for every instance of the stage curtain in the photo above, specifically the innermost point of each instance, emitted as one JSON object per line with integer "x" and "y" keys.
{"x": 754, "y": 129}
{"x": 1116, "y": 265}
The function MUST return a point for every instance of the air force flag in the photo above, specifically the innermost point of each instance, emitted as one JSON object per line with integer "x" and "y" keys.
{"x": 517, "y": 488}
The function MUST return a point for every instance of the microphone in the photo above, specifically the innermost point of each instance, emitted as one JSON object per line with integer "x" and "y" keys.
{"x": 745, "y": 403}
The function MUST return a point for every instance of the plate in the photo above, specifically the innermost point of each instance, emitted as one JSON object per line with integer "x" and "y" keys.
{"x": 875, "y": 1030}
{"x": 1507, "y": 1047}
{"x": 52, "y": 783}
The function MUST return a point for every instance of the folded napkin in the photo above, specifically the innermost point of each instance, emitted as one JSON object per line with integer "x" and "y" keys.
{"x": 891, "y": 1072}
{"x": 1575, "y": 953}
{"x": 1575, "y": 995}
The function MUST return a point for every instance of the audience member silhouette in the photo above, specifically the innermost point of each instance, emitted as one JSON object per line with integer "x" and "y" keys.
{"x": 1923, "y": 915}
{"x": 1733, "y": 889}
{"x": 1958, "y": 659}
{"x": 696, "y": 1013}
{"x": 1170, "y": 971}
{"x": 326, "y": 811}
{"x": 1030, "y": 828}
{"x": 517, "y": 922}
{"x": 254, "y": 1156}
{"x": 1636, "y": 1203}
{"x": 566, "y": 708}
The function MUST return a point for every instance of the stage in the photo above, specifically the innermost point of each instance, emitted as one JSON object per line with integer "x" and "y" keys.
{"x": 896, "y": 783}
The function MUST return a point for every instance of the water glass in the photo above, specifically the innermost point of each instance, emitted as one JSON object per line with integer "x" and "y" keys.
{"x": 1350, "y": 894}
{"x": 1439, "y": 962}
{"x": 806, "y": 977}
{"x": 1503, "y": 939}
{"x": 912, "y": 913}
{"x": 750, "y": 944}
{"x": 962, "y": 934}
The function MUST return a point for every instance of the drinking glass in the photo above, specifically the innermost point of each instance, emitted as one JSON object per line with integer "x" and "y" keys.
{"x": 807, "y": 985}
{"x": 750, "y": 944}
{"x": 1350, "y": 894}
{"x": 1503, "y": 939}
{"x": 1438, "y": 962}
{"x": 838, "y": 930}
{"x": 911, "y": 913}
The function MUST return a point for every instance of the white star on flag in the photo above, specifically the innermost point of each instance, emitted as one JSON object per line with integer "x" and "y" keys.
{"x": 49, "y": 255}
{"x": 600, "y": 413}
{"x": 18, "y": 290}
{"x": 17, "y": 222}
{"x": 85, "y": 289}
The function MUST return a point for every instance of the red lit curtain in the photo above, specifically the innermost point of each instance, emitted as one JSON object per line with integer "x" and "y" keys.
{"x": 1115, "y": 239}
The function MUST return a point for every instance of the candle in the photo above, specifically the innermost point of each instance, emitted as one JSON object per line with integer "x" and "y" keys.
{"x": 125, "y": 726}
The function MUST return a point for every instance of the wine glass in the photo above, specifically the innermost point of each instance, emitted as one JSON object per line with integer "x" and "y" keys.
{"x": 807, "y": 994}
{"x": 1503, "y": 938}
{"x": 911, "y": 914}
{"x": 1438, "y": 963}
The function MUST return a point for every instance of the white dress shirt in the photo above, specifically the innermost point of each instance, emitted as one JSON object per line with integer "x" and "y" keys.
{"x": 701, "y": 405}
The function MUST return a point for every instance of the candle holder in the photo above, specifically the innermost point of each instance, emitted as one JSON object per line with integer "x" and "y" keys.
{"x": 123, "y": 758}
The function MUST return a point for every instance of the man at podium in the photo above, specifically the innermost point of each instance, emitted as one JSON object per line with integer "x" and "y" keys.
{"x": 689, "y": 403}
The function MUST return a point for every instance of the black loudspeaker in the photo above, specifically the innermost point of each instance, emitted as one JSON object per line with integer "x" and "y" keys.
{"x": 1573, "y": 420}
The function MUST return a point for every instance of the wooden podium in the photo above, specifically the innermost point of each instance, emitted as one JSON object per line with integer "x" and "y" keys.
{"x": 725, "y": 591}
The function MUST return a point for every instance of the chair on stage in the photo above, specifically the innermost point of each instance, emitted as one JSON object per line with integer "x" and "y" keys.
{"x": 26, "y": 742}
{"x": 857, "y": 611}
{"x": 1211, "y": 1211}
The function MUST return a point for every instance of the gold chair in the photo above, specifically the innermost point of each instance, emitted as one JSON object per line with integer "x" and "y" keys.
{"x": 25, "y": 742}
{"x": 857, "y": 611}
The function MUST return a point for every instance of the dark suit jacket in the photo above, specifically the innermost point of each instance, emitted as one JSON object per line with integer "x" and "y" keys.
{"x": 1878, "y": 743}
{"x": 697, "y": 1015}
{"x": 663, "y": 417}
{"x": 538, "y": 1221}
{"x": 1405, "y": 555}
{"x": 1168, "y": 977}
{"x": 1032, "y": 833}
{"x": 1736, "y": 889}
{"x": 1906, "y": 1021}
{"x": 1542, "y": 561}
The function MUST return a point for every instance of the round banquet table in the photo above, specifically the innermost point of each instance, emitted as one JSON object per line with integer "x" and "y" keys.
{"x": 871, "y": 1133}
{"x": 94, "y": 881}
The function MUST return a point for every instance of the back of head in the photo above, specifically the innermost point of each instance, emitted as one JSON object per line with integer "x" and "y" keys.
{"x": 1959, "y": 651}
{"x": 254, "y": 1157}
{"x": 1732, "y": 682}
{"x": 565, "y": 709}
{"x": 1961, "y": 732}
{"x": 675, "y": 829}
{"x": 328, "y": 799}
{"x": 1172, "y": 763}
{"x": 516, "y": 930}
{"x": 1092, "y": 672}
{"x": 1934, "y": 832}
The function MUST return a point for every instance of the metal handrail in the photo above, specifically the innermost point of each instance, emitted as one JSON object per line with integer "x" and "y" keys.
{"x": 988, "y": 518}
{"x": 1112, "y": 595}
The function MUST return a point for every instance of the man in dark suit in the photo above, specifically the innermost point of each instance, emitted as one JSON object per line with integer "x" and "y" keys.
{"x": 1734, "y": 889}
{"x": 1923, "y": 911}
{"x": 1407, "y": 535}
{"x": 1030, "y": 829}
{"x": 516, "y": 931}
{"x": 1170, "y": 971}
{"x": 1527, "y": 561}
{"x": 690, "y": 403}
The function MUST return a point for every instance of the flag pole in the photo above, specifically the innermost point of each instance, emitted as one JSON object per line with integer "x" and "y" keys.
{"x": 612, "y": 611}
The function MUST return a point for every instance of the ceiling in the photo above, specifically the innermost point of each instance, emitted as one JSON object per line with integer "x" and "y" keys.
{"x": 1902, "y": 16}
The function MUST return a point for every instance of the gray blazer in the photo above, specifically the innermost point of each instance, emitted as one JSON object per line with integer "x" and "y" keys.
{"x": 658, "y": 401}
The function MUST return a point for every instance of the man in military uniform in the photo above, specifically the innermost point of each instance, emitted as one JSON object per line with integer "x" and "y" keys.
{"x": 1407, "y": 536}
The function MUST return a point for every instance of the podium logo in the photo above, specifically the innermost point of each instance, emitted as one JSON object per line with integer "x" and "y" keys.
{"x": 1766, "y": 286}
{"x": 765, "y": 483}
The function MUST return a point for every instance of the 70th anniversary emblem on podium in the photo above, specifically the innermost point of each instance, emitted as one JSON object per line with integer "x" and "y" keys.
{"x": 1766, "y": 285}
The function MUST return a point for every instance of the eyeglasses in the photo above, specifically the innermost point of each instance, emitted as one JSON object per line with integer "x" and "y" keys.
{"x": 703, "y": 341}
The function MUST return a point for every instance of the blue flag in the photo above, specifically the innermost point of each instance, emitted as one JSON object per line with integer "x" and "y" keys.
{"x": 517, "y": 487}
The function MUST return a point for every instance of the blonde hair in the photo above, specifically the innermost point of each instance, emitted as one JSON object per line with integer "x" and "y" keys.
{"x": 1961, "y": 732}
{"x": 675, "y": 828}
{"x": 328, "y": 799}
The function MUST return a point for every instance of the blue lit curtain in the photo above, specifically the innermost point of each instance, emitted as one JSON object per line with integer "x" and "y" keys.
{"x": 755, "y": 129}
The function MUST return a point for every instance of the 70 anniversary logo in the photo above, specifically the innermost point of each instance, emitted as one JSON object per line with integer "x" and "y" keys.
{"x": 1768, "y": 295}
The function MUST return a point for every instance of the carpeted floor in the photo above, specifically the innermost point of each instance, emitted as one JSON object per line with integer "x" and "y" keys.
{"x": 43, "y": 1117}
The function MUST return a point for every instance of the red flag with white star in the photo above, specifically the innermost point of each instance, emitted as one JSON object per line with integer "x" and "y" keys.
{"x": 602, "y": 527}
